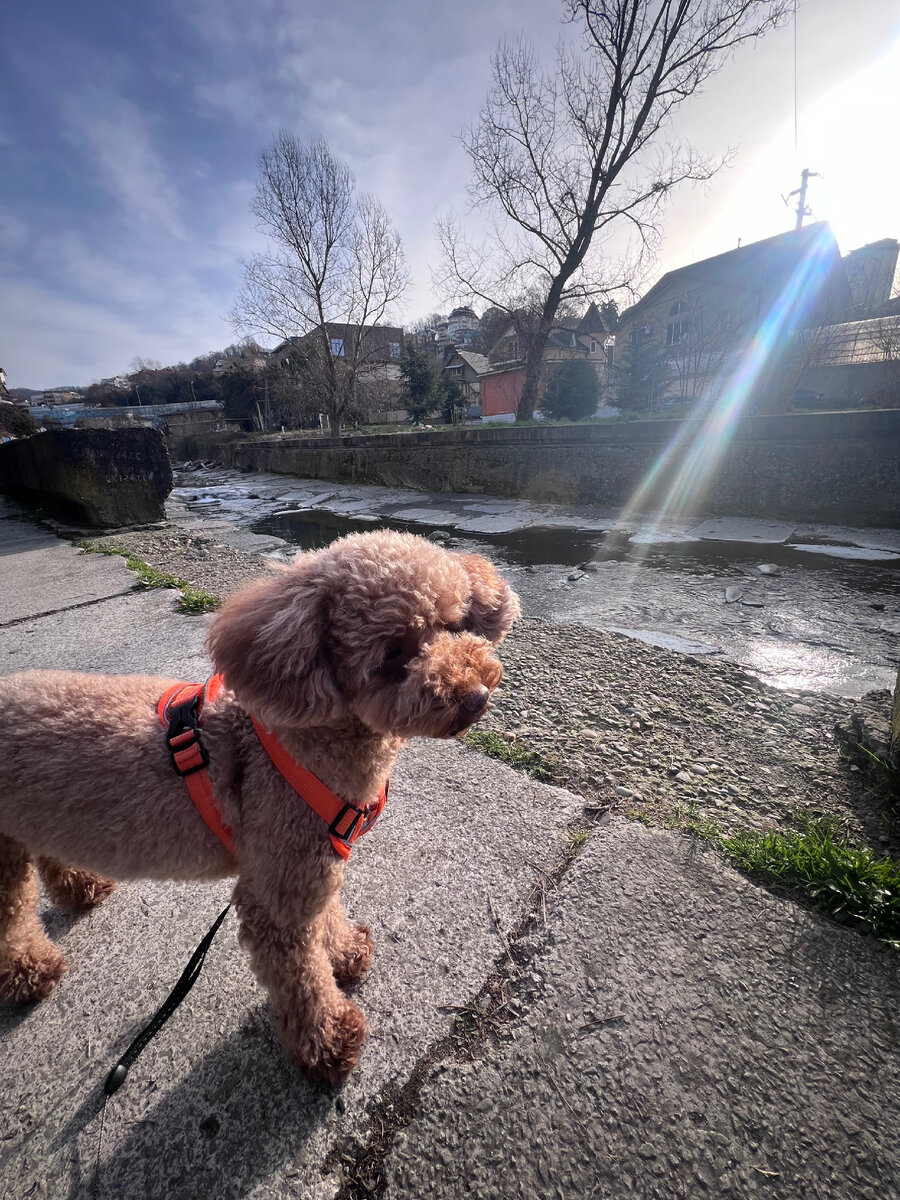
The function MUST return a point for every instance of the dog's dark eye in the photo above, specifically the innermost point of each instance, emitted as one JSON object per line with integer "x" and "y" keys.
{"x": 397, "y": 658}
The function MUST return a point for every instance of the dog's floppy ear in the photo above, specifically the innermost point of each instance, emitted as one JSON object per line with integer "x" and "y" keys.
{"x": 269, "y": 643}
{"x": 495, "y": 605}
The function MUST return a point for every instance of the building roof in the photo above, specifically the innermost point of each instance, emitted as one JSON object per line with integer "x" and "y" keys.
{"x": 592, "y": 322}
{"x": 855, "y": 342}
{"x": 480, "y": 363}
{"x": 339, "y": 329}
{"x": 766, "y": 264}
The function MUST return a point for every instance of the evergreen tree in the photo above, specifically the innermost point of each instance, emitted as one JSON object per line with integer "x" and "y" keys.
{"x": 572, "y": 391}
{"x": 420, "y": 383}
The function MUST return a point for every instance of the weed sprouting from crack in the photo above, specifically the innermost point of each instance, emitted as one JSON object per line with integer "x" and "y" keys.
{"x": 193, "y": 600}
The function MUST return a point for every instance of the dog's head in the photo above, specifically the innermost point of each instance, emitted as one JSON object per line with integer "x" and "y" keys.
{"x": 386, "y": 627}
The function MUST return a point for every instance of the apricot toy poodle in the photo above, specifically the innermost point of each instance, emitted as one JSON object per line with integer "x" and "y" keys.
{"x": 334, "y": 661}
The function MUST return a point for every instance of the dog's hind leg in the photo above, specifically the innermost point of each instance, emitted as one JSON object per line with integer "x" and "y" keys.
{"x": 71, "y": 888}
{"x": 321, "y": 1030}
{"x": 349, "y": 946}
{"x": 30, "y": 965}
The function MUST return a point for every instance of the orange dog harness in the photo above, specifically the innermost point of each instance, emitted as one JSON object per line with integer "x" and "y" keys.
{"x": 180, "y": 709}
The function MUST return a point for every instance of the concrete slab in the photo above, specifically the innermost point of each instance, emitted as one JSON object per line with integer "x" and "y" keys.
{"x": 502, "y": 523}
{"x": 851, "y": 553}
{"x": 877, "y": 539}
{"x": 667, "y": 641}
{"x": 493, "y": 506}
{"x": 651, "y": 537}
{"x": 741, "y": 529}
{"x": 347, "y": 507}
{"x": 139, "y": 633}
{"x": 688, "y": 1035}
{"x": 436, "y": 517}
{"x": 51, "y": 574}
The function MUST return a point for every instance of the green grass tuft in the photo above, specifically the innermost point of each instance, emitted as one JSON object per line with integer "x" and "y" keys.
{"x": 836, "y": 875}
{"x": 514, "y": 756}
{"x": 193, "y": 600}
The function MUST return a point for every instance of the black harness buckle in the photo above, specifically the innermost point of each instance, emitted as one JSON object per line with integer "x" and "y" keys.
{"x": 184, "y": 718}
{"x": 349, "y": 835}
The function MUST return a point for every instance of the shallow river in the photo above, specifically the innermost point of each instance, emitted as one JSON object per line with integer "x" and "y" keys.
{"x": 806, "y": 607}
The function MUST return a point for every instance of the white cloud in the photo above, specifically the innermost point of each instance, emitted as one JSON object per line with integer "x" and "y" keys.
{"x": 76, "y": 342}
{"x": 118, "y": 140}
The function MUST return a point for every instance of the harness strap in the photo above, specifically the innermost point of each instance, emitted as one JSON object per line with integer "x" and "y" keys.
{"x": 346, "y": 822}
{"x": 180, "y": 709}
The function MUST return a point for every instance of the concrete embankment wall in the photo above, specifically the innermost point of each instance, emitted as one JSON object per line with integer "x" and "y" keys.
{"x": 840, "y": 467}
{"x": 99, "y": 477}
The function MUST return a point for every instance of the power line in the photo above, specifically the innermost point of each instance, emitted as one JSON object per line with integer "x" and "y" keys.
{"x": 795, "y": 76}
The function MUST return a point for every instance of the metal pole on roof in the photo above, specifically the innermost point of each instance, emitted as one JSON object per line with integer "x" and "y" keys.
{"x": 802, "y": 210}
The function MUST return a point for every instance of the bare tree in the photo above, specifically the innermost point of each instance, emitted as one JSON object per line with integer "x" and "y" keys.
{"x": 334, "y": 258}
{"x": 709, "y": 332}
{"x": 564, "y": 157}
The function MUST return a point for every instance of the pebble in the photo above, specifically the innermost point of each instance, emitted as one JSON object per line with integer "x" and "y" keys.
{"x": 624, "y": 792}
{"x": 699, "y": 769}
{"x": 684, "y": 777}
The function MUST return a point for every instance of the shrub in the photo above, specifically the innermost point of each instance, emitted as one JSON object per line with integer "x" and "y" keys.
{"x": 572, "y": 391}
{"x": 16, "y": 420}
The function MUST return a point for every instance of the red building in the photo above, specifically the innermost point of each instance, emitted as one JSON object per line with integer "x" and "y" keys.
{"x": 500, "y": 391}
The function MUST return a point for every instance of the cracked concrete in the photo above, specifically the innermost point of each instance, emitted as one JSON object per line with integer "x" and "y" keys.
{"x": 690, "y": 1035}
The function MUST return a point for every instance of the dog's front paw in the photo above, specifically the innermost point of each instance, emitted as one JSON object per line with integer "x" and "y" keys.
{"x": 328, "y": 1054}
{"x": 32, "y": 976}
{"x": 342, "y": 1038}
{"x": 354, "y": 957}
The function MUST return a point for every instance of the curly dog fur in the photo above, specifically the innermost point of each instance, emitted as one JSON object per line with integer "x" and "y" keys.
{"x": 345, "y": 654}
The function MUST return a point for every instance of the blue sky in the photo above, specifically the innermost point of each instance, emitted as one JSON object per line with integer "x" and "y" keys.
{"x": 129, "y": 136}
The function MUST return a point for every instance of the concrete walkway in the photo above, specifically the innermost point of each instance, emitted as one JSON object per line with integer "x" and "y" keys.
{"x": 668, "y": 1029}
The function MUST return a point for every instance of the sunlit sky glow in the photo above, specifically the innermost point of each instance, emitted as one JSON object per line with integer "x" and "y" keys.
{"x": 129, "y": 137}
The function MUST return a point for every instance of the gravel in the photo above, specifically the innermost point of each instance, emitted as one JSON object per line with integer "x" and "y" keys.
{"x": 648, "y": 732}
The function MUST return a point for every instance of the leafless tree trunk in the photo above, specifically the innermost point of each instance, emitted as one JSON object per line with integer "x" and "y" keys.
{"x": 334, "y": 258}
{"x": 564, "y": 157}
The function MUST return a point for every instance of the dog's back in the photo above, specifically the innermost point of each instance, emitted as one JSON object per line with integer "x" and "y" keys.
{"x": 86, "y": 777}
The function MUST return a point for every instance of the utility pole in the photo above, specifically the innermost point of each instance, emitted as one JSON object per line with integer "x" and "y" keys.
{"x": 802, "y": 209}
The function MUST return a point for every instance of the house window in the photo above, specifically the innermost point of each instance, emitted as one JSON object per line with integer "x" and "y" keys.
{"x": 593, "y": 346}
{"x": 337, "y": 347}
{"x": 394, "y": 349}
{"x": 679, "y": 324}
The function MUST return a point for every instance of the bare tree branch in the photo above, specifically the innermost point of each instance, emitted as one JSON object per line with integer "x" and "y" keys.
{"x": 563, "y": 155}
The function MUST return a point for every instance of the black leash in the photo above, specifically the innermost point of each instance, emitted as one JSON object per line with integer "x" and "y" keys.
{"x": 189, "y": 975}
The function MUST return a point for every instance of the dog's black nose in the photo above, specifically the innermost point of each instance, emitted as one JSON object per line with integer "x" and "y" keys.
{"x": 474, "y": 701}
